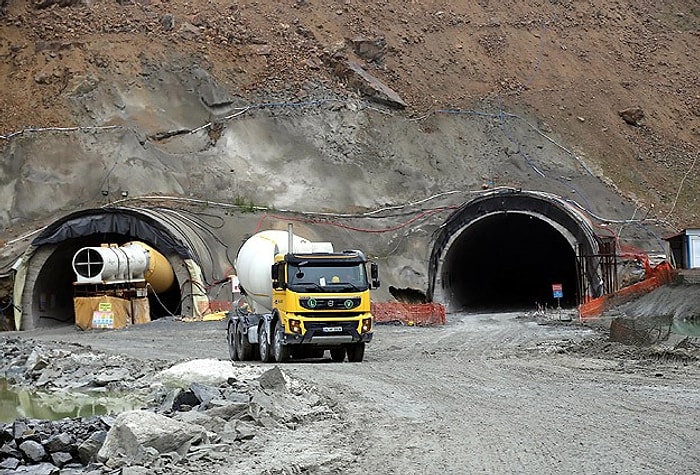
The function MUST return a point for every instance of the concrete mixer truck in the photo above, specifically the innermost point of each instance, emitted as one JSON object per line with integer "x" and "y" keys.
{"x": 300, "y": 299}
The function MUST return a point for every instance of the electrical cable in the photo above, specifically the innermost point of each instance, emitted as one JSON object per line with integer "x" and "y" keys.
{"x": 155, "y": 295}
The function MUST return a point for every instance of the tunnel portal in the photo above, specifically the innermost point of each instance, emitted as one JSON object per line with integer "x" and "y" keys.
{"x": 504, "y": 251}
{"x": 46, "y": 282}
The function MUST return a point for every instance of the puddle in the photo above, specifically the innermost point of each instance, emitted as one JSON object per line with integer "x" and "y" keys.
{"x": 17, "y": 403}
{"x": 650, "y": 331}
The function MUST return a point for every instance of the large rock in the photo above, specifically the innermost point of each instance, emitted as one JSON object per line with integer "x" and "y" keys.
{"x": 211, "y": 372}
{"x": 33, "y": 451}
{"x": 632, "y": 115}
{"x": 136, "y": 431}
{"x": 87, "y": 451}
{"x": 368, "y": 85}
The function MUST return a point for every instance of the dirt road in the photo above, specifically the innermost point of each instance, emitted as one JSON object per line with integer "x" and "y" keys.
{"x": 483, "y": 394}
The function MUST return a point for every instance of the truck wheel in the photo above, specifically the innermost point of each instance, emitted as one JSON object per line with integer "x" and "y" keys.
{"x": 231, "y": 339}
{"x": 245, "y": 348}
{"x": 356, "y": 352}
{"x": 263, "y": 345}
{"x": 282, "y": 352}
{"x": 338, "y": 354}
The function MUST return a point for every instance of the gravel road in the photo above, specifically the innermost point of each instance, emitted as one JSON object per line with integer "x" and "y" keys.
{"x": 497, "y": 393}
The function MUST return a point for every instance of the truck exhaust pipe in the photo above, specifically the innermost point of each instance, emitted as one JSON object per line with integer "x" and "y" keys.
{"x": 290, "y": 238}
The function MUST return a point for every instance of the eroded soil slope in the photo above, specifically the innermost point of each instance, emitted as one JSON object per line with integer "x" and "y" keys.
{"x": 573, "y": 65}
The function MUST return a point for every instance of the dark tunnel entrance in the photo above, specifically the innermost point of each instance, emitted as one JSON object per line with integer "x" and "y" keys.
{"x": 54, "y": 287}
{"x": 505, "y": 250}
{"x": 509, "y": 261}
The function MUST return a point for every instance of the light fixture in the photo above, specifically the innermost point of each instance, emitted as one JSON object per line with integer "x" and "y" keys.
{"x": 125, "y": 193}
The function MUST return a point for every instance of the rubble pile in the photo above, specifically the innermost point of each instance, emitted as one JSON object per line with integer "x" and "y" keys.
{"x": 33, "y": 446}
{"x": 184, "y": 426}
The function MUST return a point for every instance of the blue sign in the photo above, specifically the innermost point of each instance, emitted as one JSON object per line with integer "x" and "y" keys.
{"x": 557, "y": 291}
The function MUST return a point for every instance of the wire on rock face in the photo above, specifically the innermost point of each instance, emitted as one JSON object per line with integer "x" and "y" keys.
{"x": 326, "y": 222}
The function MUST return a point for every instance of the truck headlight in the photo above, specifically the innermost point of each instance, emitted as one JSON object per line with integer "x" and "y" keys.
{"x": 294, "y": 326}
{"x": 366, "y": 325}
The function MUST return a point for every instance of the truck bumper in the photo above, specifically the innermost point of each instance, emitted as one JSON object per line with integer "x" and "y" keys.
{"x": 316, "y": 337}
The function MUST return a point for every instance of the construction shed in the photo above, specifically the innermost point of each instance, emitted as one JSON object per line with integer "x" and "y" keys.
{"x": 685, "y": 248}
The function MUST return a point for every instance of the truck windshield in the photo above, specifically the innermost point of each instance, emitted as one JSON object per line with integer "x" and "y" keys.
{"x": 315, "y": 278}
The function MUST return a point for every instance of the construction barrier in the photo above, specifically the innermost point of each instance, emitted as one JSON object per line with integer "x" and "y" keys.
{"x": 109, "y": 312}
{"x": 657, "y": 276}
{"x": 419, "y": 314}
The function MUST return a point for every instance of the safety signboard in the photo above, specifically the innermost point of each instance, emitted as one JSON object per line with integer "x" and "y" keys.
{"x": 557, "y": 291}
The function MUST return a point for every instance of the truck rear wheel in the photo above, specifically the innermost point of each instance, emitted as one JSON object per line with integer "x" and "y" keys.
{"x": 338, "y": 354}
{"x": 264, "y": 345}
{"x": 245, "y": 348}
{"x": 231, "y": 339}
{"x": 282, "y": 352}
{"x": 356, "y": 352}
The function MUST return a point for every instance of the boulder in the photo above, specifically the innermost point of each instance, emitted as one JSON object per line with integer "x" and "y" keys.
{"x": 33, "y": 451}
{"x": 87, "y": 451}
{"x": 369, "y": 49}
{"x": 632, "y": 115}
{"x": 134, "y": 432}
{"x": 369, "y": 86}
{"x": 204, "y": 371}
{"x": 273, "y": 379}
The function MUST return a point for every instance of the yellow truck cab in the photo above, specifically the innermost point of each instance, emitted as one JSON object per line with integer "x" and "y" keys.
{"x": 313, "y": 302}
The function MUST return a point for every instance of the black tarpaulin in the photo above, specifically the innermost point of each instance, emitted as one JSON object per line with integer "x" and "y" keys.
{"x": 117, "y": 221}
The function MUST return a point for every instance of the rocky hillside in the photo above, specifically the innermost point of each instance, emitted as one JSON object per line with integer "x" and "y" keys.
{"x": 165, "y": 68}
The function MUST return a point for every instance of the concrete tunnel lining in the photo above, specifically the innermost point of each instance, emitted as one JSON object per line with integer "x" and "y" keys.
{"x": 47, "y": 285}
{"x": 504, "y": 249}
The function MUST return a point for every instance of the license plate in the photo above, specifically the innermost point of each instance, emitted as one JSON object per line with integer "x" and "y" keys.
{"x": 332, "y": 329}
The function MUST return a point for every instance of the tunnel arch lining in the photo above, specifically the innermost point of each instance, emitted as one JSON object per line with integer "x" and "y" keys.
{"x": 179, "y": 237}
{"x": 570, "y": 222}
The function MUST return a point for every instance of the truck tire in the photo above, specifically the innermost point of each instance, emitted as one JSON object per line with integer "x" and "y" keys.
{"x": 281, "y": 352}
{"x": 356, "y": 352}
{"x": 245, "y": 348}
{"x": 338, "y": 354}
{"x": 264, "y": 345}
{"x": 231, "y": 339}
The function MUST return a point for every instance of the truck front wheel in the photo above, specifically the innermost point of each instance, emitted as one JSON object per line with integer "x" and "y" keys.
{"x": 263, "y": 345}
{"x": 282, "y": 352}
{"x": 356, "y": 352}
{"x": 231, "y": 339}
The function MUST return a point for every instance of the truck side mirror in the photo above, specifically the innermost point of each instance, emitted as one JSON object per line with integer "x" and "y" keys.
{"x": 274, "y": 272}
{"x": 374, "y": 273}
{"x": 278, "y": 278}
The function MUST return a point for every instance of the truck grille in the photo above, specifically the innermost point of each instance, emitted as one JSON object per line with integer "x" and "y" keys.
{"x": 342, "y": 303}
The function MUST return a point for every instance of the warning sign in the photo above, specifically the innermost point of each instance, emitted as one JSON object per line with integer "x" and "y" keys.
{"x": 557, "y": 291}
{"x": 105, "y": 306}
{"x": 102, "y": 319}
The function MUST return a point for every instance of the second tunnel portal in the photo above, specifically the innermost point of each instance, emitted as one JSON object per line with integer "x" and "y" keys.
{"x": 505, "y": 250}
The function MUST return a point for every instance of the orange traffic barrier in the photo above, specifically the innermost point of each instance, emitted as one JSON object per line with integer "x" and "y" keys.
{"x": 418, "y": 314}
{"x": 657, "y": 276}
